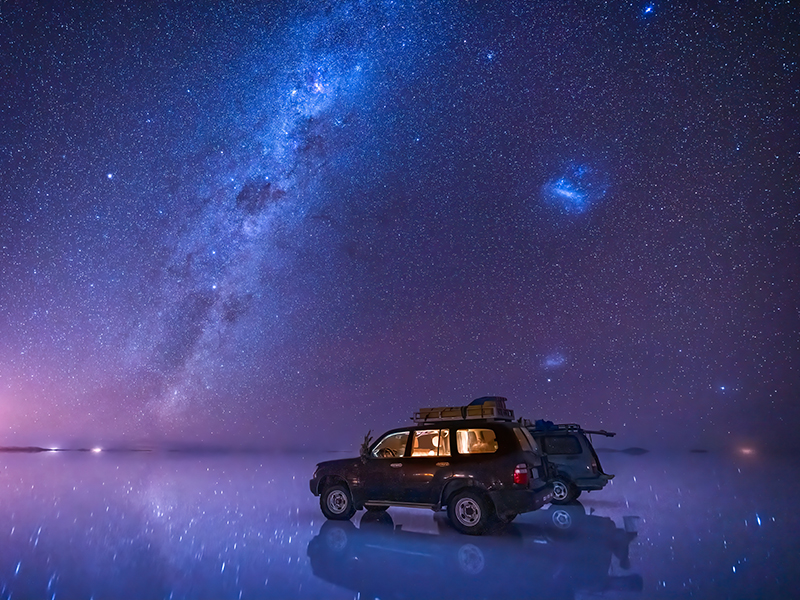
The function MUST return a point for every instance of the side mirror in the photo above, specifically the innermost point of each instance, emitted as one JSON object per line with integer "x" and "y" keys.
{"x": 365, "y": 445}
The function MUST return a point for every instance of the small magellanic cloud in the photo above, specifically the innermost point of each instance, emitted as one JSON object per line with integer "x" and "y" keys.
{"x": 555, "y": 360}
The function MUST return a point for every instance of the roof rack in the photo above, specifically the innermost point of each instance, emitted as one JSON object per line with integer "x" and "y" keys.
{"x": 492, "y": 408}
{"x": 542, "y": 425}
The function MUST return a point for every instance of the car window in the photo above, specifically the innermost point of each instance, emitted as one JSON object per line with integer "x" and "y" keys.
{"x": 561, "y": 444}
{"x": 391, "y": 446}
{"x": 533, "y": 442}
{"x": 431, "y": 442}
{"x": 526, "y": 440}
{"x": 476, "y": 441}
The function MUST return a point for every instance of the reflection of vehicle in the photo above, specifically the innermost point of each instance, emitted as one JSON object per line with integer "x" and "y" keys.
{"x": 529, "y": 560}
{"x": 572, "y": 458}
{"x": 473, "y": 460}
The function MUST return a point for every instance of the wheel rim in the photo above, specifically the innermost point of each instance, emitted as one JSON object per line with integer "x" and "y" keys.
{"x": 468, "y": 512}
{"x": 560, "y": 491}
{"x": 337, "y": 502}
{"x": 562, "y": 519}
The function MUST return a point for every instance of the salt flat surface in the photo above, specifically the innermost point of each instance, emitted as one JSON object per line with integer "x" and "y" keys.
{"x": 171, "y": 525}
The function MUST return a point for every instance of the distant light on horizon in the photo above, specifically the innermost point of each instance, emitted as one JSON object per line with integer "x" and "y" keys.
{"x": 97, "y": 449}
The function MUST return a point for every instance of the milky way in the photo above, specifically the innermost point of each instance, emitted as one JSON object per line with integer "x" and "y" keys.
{"x": 216, "y": 276}
{"x": 280, "y": 224}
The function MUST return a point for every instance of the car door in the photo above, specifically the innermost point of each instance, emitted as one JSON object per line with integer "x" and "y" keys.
{"x": 382, "y": 470}
{"x": 427, "y": 465}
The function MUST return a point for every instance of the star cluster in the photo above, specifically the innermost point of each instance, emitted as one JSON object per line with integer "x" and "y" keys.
{"x": 278, "y": 224}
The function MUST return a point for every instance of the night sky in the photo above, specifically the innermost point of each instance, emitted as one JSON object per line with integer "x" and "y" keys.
{"x": 279, "y": 225}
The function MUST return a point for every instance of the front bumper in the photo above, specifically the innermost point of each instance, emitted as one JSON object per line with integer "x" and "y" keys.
{"x": 521, "y": 501}
{"x": 313, "y": 483}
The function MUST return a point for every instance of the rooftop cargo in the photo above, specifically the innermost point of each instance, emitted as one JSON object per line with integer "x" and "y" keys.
{"x": 487, "y": 407}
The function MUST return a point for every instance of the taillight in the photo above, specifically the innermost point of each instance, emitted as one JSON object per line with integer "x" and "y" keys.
{"x": 521, "y": 474}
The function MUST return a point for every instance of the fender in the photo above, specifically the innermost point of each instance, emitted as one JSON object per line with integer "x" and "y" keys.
{"x": 454, "y": 484}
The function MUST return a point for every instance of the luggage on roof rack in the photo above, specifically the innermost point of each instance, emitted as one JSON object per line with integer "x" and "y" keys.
{"x": 488, "y": 407}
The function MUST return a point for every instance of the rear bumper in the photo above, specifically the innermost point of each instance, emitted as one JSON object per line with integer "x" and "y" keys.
{"x": 597, "y": 482}
{"x": 521, "y": 501}
{"x": 313, "y": 483}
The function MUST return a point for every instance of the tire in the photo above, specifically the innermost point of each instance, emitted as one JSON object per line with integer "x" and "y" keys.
{"x": 469, "y": 512}
{"x": 337, "y": 503}
{"x": 563, "y": 491}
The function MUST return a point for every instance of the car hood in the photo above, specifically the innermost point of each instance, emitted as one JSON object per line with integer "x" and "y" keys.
{"x": 339, "y": 463}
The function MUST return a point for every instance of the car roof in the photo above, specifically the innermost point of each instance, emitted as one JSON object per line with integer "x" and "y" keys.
{"x": 449, "y": 424}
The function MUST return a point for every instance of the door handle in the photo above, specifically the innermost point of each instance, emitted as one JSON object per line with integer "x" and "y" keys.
{"x": 396, "y": 465}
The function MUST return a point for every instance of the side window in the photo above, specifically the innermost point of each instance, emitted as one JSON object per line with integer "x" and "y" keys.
{"x": 431, "y": 442}
{"x": 391, "y": 446}
{"x": 561, "y": 444}
{"x": 476, "y": 441}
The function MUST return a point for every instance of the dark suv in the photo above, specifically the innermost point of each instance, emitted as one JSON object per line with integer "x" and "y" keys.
{"x": 574, "y": 466}
{"x": 473, "y": 460}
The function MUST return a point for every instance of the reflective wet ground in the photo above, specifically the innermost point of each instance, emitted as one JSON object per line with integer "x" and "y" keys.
{"x": 168, "y": 525}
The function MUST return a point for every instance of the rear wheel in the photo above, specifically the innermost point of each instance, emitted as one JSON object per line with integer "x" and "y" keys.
{"x": 469, "y": 512}
{"x": 337, "y": 503}
{"x": 563, "y": 490}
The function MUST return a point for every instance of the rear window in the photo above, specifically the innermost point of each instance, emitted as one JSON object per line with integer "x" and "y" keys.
{"x": 561, "y": 444}
{"x": 523, "y": 441}
{"x": 476, "y": 441}
{"x": 526, "y": 440}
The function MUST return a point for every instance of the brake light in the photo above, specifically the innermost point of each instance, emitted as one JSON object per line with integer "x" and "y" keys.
{"x": 521, "y": 474}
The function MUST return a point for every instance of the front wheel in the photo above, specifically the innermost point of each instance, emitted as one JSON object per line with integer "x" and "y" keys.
{"x": 469, "y": 512}
{"x": 337, "y": 503}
